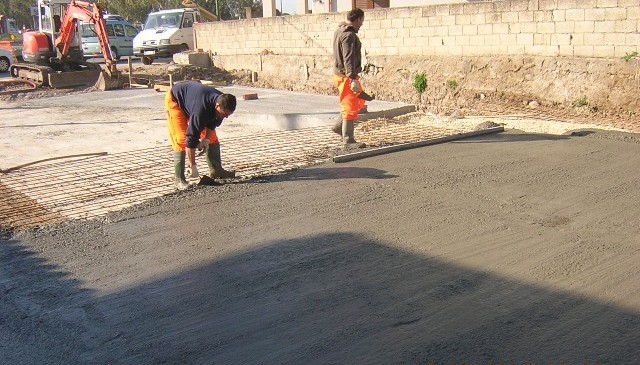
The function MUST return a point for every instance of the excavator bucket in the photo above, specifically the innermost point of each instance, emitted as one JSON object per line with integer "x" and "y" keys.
{"x": 59, "y": 80}
{"x": 108, "y": 81}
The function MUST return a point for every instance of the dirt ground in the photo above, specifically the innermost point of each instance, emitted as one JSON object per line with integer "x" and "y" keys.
{"x": 509, "y": 248}
{"x": 473, "y": 97}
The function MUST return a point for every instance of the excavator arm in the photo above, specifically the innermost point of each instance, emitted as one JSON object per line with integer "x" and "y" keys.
{"x": 64, "y": 70}
{"x": 91, "y": 13}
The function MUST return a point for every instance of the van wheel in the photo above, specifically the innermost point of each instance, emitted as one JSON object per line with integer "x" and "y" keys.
{"x": 114, "y": 54}
{"x": 146, "y": 60}
{"x": 184, "y": 47}
{"x": 4, "y": 64}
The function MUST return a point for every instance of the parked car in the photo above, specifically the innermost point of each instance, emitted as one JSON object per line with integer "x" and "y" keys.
{"x": 6, "y": 59}
{"x": 121, "y": 34}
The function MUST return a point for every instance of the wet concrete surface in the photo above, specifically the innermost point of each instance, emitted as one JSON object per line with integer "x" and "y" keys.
{"x": 507, "y": 248}
{"x": 84, "y": 155}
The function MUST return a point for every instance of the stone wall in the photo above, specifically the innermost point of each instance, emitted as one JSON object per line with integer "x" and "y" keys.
{"x": 448, "y": 40}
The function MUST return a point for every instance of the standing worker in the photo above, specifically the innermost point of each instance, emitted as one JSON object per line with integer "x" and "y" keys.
{"x": 347, "y": 55}
{"x": 193, "y": 113}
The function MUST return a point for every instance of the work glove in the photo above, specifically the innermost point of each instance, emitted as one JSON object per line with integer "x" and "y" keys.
{"x": 355, "y": 86}
{"x": 192, "y": 172}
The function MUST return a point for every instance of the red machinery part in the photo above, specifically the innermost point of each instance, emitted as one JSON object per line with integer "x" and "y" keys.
{"x": 34, "y": 44}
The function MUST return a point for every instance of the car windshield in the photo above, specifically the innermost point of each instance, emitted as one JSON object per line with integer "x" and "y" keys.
{"x": 88, "y": 30}
{"x": 163, "y": 20}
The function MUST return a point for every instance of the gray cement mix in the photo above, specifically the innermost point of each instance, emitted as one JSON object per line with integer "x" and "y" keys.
{"x": 516, "y": 247}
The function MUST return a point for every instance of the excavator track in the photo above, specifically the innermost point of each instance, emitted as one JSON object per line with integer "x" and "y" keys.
{"x": 47, "y": 76}
{"x": 32, "y": 72}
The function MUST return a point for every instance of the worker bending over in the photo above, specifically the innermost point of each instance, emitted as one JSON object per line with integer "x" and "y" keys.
{"x": 194, "y": 111}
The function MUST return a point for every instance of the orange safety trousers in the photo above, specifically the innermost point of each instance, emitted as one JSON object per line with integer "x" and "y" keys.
{"x": 177, "y": 122}
{"x": 350, "y": 103}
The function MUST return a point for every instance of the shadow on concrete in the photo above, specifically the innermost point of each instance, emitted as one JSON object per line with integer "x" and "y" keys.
{"x": 513, "y": 136}
{"x": 68, "y": 123}
{"x": 41, "y": 309}
{"x": 333, "y": 173}
{"x": 335, "y": 298}
{"x": 19, "y": 106}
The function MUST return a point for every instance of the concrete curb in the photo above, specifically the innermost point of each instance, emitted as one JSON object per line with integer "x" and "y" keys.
{"x": 405, "y": 146}
{"x": 387, "y": 113}
{"x": 289, "y": 121}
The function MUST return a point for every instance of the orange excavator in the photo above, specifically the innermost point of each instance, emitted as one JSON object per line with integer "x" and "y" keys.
{"x": 53, "y": 54}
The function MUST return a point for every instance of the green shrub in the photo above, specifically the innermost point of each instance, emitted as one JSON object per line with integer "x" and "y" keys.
{"x": 420, "y": 83}
{"x": 580, "y": 102}
{"x": 629, "y": 56}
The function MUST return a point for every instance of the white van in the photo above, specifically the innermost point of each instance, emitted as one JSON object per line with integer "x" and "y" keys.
{"x": 165, "y": 32}
{"x": 120, "y": 32}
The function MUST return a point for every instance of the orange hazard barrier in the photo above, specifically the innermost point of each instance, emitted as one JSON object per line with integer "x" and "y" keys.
{"x": 6, "y": 45}
{"x": 10, "y": 86}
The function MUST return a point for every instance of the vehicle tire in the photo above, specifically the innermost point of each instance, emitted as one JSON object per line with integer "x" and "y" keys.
{"x": 184, "y": 47}
{"x": 4, "y": 64}
{"x": 146, "y": 60}
{"x": 114, "y": 54}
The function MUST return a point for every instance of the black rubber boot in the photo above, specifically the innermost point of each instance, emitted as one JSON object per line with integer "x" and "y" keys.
{"x": 178, "y": 164}
{"x": 214, "y": 161}
{"x": 348, "y": 135}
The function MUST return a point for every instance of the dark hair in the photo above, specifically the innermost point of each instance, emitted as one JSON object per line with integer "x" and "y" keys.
{"x": 355, "y": 14}
{"x": 227, "y": 102}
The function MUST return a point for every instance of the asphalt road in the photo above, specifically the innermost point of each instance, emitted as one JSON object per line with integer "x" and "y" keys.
{"x": 510, "y": 248}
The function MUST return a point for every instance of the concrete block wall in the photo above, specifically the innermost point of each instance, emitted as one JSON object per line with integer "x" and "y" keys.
{"x": 572, "y": 28}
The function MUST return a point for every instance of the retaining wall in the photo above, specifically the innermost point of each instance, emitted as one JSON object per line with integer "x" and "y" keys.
{"x": 598, "y": 33}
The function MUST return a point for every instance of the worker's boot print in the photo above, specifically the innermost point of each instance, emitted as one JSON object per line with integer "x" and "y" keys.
{"x": 348, "y": 135}
{"x": 178, "y": 163}
{"x": 214, "y": 161}
{"x": 337, "y": 128}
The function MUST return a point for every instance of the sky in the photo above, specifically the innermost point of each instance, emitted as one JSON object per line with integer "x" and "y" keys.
{"x": 290, "y": 6}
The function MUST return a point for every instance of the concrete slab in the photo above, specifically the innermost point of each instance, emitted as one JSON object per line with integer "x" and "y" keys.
{"x": 273, "y": 109}
{"x": 84, "y": 155}
{"x": 287, "y": 110}
{"x": 85, "y": 187}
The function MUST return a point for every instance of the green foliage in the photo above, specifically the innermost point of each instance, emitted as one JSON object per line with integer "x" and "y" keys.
{"x": 137, "y": 10}
{"x": 580, "y": 102}
{"x": 18, "y": 10}
{"x": 629, "y": 56}
{"x": 420, "y": 83}
{"x": 452, "y": 84}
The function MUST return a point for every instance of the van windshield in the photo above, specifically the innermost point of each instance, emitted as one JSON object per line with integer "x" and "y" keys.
{"x": 88, "y": 30}
{"x": 163, "y": 20}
